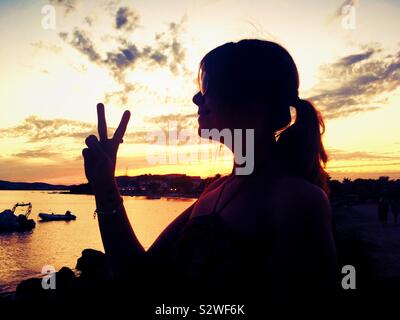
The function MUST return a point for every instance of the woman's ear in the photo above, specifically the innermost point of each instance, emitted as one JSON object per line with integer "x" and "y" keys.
{"x": 261, "y": 115}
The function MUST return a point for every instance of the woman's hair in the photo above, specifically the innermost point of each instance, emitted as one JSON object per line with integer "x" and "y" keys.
{"x": 257, "y": 70}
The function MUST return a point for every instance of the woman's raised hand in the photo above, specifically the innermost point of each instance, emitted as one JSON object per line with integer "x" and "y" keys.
{"x": 101, "y": 154}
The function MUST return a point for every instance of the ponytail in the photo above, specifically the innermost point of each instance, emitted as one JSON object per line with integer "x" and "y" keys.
{"x": 300, "y": 145}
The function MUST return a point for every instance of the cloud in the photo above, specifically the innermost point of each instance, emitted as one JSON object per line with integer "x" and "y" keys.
{"x": 78, "y": 67}
{"x": 341, "y": 155}
{"x": 356, "y": 82}
{"x": 37, "y": 153}
{"x": 363, "y": 164}
{"x": 62, "y": 171}
{"x": 88, "y": 20}
{"x": 122, "y": 95}
{"x": 184, "y": 120}
{"x": 82, "y": 42}
{"x": 125, "y": 57}
{"x": 111, "y": 6}
{"x": 42, "y": 45}
{"x": 169, "y": 44}
{"x": 139, "y": 137}
{"x": 166, "y": 51}
{"x": 371, "y": 174}
{"x": 63, "y": 35}
{"x": 67, "y": 5}
{"x": 154, "y": 55}
{"x": 126, "y": 19}
{"x": 174, "y": 121}
{"x": 115, "y": 61}
{"x": 39, "y": 130}
{"x": 339, "y": 11}
{"x": 354, "y": 58}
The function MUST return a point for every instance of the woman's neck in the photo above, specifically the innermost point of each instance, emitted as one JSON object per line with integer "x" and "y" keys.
{"x": 264, "y": 157}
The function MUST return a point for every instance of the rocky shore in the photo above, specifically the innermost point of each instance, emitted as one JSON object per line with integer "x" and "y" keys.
{"x": 93, "y": 277}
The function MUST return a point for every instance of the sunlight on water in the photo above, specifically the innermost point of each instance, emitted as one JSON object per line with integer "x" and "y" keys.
{"x": 60, "y": 243}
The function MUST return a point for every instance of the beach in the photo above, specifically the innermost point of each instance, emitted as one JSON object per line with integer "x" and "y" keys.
{"x": 372, "y": 248}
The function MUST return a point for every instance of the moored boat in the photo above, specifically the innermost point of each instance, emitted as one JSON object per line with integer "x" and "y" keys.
{"x": 10, "y": 222}
{"x": 57, "y": 217}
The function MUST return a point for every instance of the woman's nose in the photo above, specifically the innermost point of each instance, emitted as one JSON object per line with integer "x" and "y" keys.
{"x": 198, "y": 99}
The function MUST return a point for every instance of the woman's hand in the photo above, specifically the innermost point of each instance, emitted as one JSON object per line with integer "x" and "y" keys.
{"x": 101, "y": 155}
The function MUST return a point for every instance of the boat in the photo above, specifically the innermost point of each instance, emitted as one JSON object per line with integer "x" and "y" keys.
{"x": 67, "y": 216}
{"x": 10, "y": 222}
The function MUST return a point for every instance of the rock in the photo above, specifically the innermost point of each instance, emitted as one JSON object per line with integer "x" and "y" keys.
{"x": 95, "y": 269}
{"x": 30, "y": 289}
{"x": 65, "y": 279}
{"x": 95, "y": 279}
{"x": 91, "y": 261}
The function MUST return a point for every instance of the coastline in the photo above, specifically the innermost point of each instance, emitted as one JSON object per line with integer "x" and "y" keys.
{"x": 359, "y": 238}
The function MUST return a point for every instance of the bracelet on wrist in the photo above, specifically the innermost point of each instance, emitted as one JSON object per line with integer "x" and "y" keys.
{"x": 111, "y": 211}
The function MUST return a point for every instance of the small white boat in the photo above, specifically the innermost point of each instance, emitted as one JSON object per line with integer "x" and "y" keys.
{"x": 57, "y": 217}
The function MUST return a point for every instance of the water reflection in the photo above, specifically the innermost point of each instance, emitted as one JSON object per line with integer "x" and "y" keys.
{"x": 60, "y": 243}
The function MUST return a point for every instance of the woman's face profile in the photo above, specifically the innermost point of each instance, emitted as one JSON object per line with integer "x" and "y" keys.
{"x": 208, "y": 112}
{"x": 210, "y": 115}
{"x": 214, "y": 114}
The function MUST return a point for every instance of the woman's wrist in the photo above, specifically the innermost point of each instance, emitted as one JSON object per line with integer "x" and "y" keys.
{"x": 107, "y": 195}
{"x": 108, "y": 210}
{"x": 103, "y": 185}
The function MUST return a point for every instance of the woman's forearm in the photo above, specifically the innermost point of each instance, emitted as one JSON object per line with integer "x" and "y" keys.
{"x": 119, "y": 241}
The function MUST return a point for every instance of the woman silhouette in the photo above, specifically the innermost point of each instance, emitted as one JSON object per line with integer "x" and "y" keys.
{"x": 268, "y": 231}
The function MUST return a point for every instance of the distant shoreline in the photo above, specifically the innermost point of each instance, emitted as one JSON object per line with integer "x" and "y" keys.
{"x": 177, "y": 186}
{"x": 151, "y": 197}
{"x": 148, "y": 185}
{"x": 67, "y": 191}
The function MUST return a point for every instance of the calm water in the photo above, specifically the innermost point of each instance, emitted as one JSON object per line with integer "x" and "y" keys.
{"x": 60, "y": 243}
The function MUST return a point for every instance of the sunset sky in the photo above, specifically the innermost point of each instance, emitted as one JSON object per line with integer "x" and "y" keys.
{"x": 144, "y": 55}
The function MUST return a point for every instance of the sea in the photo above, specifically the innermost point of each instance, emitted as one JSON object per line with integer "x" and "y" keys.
{"x": 60, "y": 243}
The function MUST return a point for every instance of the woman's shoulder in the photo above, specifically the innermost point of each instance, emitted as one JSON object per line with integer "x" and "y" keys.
{"x": 285, "y": 190}
{"x": 217, "y": 182}
{"x": 298, "y": 198}
{"x": 299, "y": 189}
